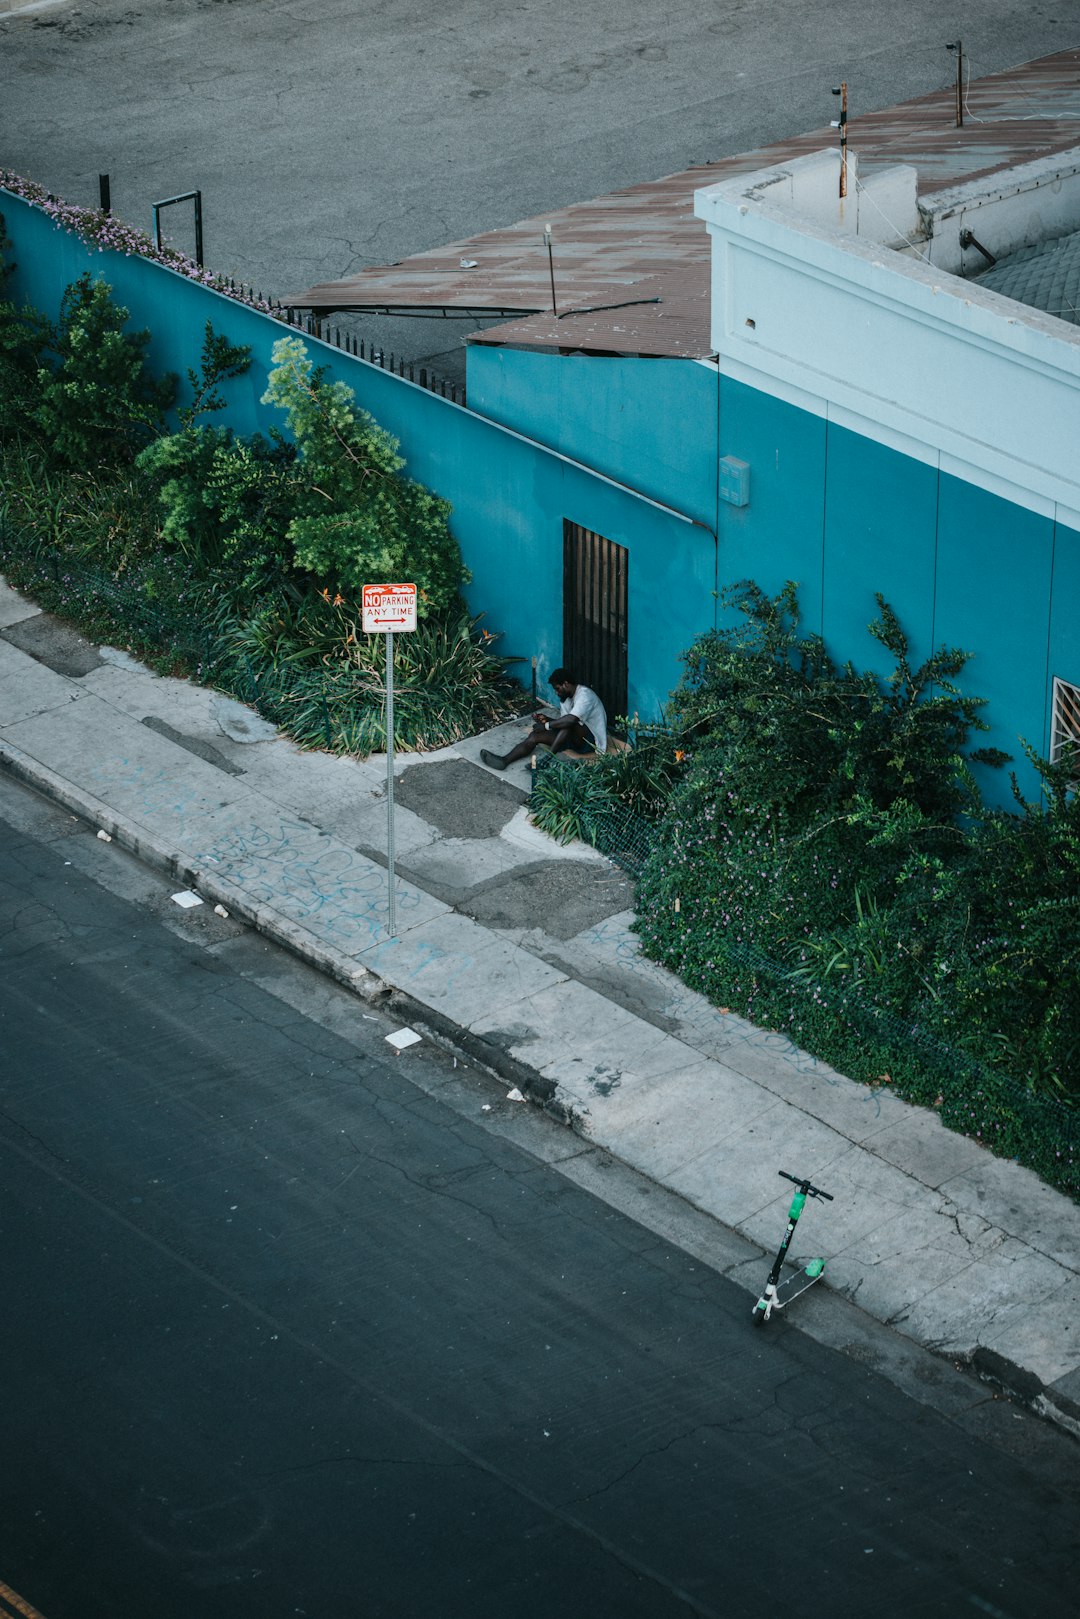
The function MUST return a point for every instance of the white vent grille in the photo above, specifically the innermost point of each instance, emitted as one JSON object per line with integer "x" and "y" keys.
{"x": 1065, "y": 734}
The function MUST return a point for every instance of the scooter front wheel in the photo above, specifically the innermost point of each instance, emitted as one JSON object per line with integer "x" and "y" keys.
{"x": 759, "y": 1314}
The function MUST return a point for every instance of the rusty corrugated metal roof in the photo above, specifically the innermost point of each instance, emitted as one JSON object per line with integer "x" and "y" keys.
{"x": 644, "y": 243}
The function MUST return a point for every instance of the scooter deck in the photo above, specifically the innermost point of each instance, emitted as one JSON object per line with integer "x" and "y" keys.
{"x": 810, "y": 1273}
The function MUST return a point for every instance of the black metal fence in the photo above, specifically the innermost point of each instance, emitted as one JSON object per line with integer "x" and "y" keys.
{"x": 360, "y": 349}
{"x": 306, "y": 321}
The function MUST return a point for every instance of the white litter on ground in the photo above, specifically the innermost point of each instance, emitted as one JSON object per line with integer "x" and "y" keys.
{"x": 402, "y": 1038}
{"x": 514, "y": 1095}
{"x": 186, "y": 899}
{"x": 219, "y": 910}
{"x": 106, "y": 837}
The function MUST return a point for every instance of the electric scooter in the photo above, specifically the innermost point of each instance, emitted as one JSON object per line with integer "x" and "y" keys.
{"x": 778, "y": 1297}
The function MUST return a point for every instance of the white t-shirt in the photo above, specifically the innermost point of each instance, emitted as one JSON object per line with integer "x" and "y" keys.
{"x": 587, "y": 707}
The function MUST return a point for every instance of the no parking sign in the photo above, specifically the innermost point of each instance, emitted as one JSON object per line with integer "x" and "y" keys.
{"x": 386, "y": 609}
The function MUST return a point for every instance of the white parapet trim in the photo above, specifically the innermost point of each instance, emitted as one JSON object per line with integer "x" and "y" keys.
{"x": 802, "y": 307}
{"x": 1033, "y": 202}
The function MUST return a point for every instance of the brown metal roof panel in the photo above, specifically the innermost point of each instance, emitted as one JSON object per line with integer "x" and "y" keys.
{"x": 649, "y": 230}
{"x": 678, "y": 325}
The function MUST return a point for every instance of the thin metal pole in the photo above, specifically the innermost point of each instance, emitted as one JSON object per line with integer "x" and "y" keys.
{"x": 959, "y": 49}
{"x": 390, "y": 779}
{"x": 551, "y": 269}
{"x": 841, "y": 124}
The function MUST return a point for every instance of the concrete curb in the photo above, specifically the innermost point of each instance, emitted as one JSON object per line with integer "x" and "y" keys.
{"x": 987, "y": 1364}
{"x": 299, "y": 941}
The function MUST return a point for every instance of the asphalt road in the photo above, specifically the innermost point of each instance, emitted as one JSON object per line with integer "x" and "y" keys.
{"x": 293, "y": 1325}
{"x": 327, "y": 135}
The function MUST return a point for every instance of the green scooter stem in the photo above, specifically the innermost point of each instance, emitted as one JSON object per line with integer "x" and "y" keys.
{"x": 775, "y": 1297}
{"x": 798, "y": 1203}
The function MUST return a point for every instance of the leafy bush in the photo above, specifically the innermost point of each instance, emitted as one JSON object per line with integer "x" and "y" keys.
{"x": 100, "y": 402}
{"x": 1015, "y": 980}
{"x": 24, "y": 336}
{"x": 357, "y": 520}
{"x": 827, "y": 868}
{"x": 227, "y": 502}
{"x": 106, "y": 513}
{"x": 197, "y": 550}
{"x": 569, "y": 801}
{"x": 219, "y": 362}
{"x": 326, "y": 680}
{"x": 611, "y": 801}
{"x": 771, "y": 707}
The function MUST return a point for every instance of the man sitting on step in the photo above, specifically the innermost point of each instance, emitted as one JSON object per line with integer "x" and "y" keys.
{"x": 580, "y": 725}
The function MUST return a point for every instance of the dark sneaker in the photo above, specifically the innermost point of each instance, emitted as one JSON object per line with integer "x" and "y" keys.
{"x": 495, "y": 760}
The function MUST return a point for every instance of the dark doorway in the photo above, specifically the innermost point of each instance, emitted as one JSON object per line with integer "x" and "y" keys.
{"x": 594, "y": 613}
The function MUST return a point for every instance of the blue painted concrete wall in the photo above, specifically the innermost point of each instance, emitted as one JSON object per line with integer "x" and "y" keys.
{"x": 846, "y": 517}
{"x": 647, "y": 423}
{"x": 1064, "y": 647}
{"x": 778, "y": 536}
{"x": 839, "y": 513}
{"x": 509, "y": 495}
{"x": 994, "y": 572}
{"x": 879, "y": 535}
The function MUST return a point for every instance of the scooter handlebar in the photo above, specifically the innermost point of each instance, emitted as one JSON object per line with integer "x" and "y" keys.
{"x": 804, "y": 1186}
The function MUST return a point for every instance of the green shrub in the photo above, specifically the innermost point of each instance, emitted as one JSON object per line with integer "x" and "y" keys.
{"x": 1017, "y": 980}
{"x": 826, "y": 867}
{"x": 356, "y": 520}
{"x": 227, "y": 502}
{"x": 570, "y": 800}
{"x": 100, "y": 402}
{"x": 769, "y": 706}
{"x": 219, "y": 362}
{"x": 108, "y": 514}
{"x": 326, "y": 680}
{"x": 24, "y": 337}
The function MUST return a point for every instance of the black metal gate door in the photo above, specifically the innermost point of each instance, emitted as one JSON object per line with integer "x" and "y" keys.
{"x": 594, "y": 613}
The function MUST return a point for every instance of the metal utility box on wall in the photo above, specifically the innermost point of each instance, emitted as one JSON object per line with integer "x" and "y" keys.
{"x": 734, "y": 480}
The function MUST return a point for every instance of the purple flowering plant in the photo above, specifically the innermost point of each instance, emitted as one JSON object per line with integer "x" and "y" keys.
{"x": 103, "y": 230}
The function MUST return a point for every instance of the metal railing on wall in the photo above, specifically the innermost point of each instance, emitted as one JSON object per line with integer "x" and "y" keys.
{"x": 361, "y": 349}
{"x": 304, "y": 320}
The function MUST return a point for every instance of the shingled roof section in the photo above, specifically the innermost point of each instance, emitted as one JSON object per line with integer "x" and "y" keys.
{"x": 632, "y": 268}
{"x": 1046, "y": 276}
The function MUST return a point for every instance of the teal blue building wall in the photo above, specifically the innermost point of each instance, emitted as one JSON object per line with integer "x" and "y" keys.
{"x": 630, "y": 448}
{"x": 778, "y": 535}
{"x": 647, "y": 423}
{"x": 1064, "y": 646}
{"x": 994, "y": 581}
{"x": 509, "y": 493}
{"x": 879, "y": 535}
{"x": 846, "y": 517}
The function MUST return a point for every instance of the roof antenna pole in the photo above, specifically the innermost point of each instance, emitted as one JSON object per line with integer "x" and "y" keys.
{"x": 841, "y": 124}
{"x": 958, "y": 47}
{"x": 551, "y": 268}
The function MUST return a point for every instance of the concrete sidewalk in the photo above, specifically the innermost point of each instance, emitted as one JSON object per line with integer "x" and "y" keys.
{"x": 522, "y": 952}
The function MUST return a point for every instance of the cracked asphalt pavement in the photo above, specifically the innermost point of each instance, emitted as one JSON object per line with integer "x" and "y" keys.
{"x": 298, "y": 1325}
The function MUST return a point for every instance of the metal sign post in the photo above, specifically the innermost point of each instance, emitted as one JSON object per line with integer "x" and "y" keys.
{"x": 384, "y": 609}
